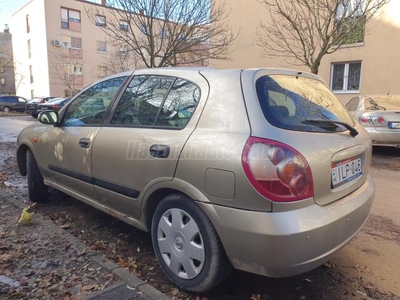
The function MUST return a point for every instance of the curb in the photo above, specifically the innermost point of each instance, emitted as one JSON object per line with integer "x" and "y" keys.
{"x": 131, "y": 286}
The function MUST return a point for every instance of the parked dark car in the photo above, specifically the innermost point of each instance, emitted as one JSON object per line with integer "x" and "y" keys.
{"x": 53, "y": 104}
{"x": 31, "y": 105}
{"x": 12, "y": 103}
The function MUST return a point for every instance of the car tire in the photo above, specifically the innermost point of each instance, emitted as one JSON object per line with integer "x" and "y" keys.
{"x": 187, "y": 245}
{"x": 6, "y": 109}
{"x": 37, "y": 190}
{"x": 34, "y": 115}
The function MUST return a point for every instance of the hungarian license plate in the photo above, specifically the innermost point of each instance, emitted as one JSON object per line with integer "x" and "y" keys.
{"x": 394, "y": 125}
{"x": 346, "y": 171}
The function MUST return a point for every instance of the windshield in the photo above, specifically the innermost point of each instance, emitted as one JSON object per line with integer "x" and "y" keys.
{"x": 290, "y": 102}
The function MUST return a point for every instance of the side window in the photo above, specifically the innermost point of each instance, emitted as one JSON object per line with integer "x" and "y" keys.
{"x": 21, "y": 100}
{"x": 90, "y": 106}
{"x": 140, "y": 104}
{"x": 352, "y": 105}
{"x": 180, "y": 104}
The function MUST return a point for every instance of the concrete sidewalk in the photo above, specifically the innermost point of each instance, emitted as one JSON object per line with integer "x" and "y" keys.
{"x": 127, "y": 288}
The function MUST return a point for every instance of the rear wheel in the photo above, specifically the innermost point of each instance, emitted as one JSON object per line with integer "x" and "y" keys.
{"x": 37, "y": 190}
{"x": 6, "y": 109}
{"x": 187, "y": 245}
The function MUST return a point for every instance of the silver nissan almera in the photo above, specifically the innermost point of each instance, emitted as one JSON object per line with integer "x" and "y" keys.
{"x": 262, "y": 170}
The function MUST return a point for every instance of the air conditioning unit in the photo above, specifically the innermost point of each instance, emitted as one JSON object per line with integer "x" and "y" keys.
{"x": 56, "y": 43}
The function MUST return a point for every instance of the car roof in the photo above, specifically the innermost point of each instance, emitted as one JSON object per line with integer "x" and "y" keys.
{"x": 204, "y": 70}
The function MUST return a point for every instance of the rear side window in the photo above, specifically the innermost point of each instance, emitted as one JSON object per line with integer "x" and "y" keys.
{"x": 296, "y": 103}
{"x": 352, "y": 104}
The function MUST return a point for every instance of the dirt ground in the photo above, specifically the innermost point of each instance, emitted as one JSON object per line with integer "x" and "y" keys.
{"x": 132, "y": 249}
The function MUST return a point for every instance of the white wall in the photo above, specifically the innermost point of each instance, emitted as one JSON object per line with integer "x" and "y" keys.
{"x": 38, "y": 60}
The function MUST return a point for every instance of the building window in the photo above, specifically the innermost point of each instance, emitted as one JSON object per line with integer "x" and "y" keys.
{"x": 143, "y": 29}
{"x": 101, "y": 71}
{"x": 349, "y": 21}
{"x": 101, "y": 47}
{"x": 76, "y": 43}
{"x": 3, "y": 81}
{"x": 73, "y": 69}
{"x": 31, "y": 73}
{"x": 100, "y": 20}
{"x": 163, "y": 33}
{"x": 78, "y": 70}
{"x": 69, "y": 17}
{"x": 346, "y": 77}
{"x": 123, "y": 25}
{"x": 71, "y": 42}
{"x": 28, "y": 28}
{"x": 123, "y": 50}
{"x": 29, "y": 49}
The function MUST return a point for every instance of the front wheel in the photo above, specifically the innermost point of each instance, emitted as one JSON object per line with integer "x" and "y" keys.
{"x": 37, "y": 190}
{"x": 187, "y": 245}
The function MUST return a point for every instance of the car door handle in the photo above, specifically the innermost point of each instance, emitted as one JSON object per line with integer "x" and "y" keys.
{"x": 84, "y": 143}
{"x": 160, "y": 151}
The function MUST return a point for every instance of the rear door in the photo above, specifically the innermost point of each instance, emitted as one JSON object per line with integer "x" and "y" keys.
{"x": 20, "y": 105}
{"x": 144, "y": 137}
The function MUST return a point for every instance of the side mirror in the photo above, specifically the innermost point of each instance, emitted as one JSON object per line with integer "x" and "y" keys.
{"x": 49, "y": 117}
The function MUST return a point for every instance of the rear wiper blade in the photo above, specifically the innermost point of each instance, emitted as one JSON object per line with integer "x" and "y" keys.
{"x": 353, "y": 131}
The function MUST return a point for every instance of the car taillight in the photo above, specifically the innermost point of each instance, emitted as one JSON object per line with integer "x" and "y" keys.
{"x": 55, "y": 107}
{"x": 365, "y": 120}
{"x": 42, "y": 101}
{"x": 377, "y": 120}
{"x": 277, "y": 171}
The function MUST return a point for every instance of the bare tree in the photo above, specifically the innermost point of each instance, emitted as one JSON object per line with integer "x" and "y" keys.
{"x": 304, "y": 31}
{"x": 19, "y": 75}
{"x": 66, "y": 67}
{"x": 121, "y": 60}
{"x": 164, "y": 32}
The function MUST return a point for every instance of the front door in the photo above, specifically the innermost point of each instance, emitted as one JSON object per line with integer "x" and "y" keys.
{"x": 67, "y": 148}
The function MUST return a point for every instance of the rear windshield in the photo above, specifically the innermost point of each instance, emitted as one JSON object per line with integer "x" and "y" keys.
{"x": 296, "y": 103}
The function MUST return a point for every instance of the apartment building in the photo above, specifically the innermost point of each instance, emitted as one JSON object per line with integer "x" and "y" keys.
{"x": 58, "y": 49}
{"x": 7, "y": 79}
{"x": 370, "y": 67}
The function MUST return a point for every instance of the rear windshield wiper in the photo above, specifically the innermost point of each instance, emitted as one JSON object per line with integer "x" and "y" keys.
{"x": 353, "y": 131}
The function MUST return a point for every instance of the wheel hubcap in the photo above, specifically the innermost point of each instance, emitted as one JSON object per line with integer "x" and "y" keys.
{"x": 181, "y": 243}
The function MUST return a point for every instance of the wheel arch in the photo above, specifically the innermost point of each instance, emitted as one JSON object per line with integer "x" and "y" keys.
{"x": 21, "y": 158}
{"x": 155, "y": 193}
{"x": 154, "y": 199}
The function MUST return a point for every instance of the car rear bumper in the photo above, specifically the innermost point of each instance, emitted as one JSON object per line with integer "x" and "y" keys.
{"x": 387, "y": 137}
{"x": 30, "y": 110}
{"x": 284, "y": 244}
